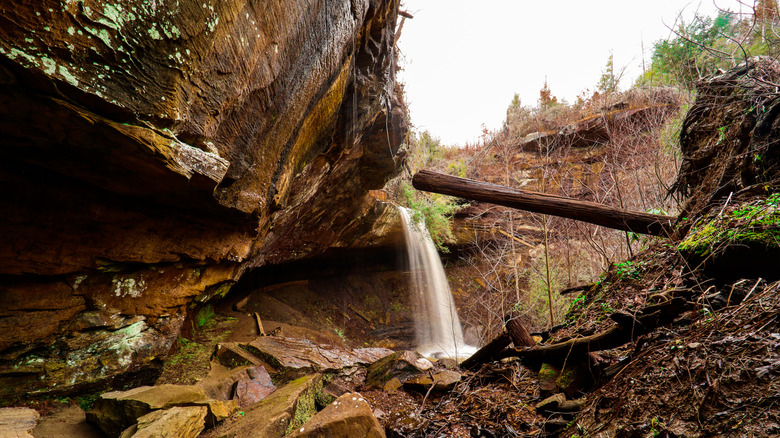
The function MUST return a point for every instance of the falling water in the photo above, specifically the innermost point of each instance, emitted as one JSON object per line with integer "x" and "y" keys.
{"x": 437, "y": 326}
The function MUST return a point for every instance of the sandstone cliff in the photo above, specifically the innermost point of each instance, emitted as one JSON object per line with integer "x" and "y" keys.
{"x": 155, "y": 151}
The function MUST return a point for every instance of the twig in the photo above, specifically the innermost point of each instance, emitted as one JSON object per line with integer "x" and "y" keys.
{"x": 725, "y": 204}
{"x": 260, "y": 330}
{"x": 751, "y": 290}
{"x": 422, "y": 405}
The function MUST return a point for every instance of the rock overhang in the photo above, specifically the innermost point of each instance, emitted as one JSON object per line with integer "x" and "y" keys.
{"x": 155, "y": 152}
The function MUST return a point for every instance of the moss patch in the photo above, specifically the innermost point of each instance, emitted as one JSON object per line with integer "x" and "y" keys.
{"x": 754, "y": 224}
{"x": 306, "y": 405}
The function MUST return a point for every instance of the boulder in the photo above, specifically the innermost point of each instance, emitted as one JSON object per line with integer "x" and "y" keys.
{"x": 17, "y": 422}
{"x": 571, "y": 380}
{"x": 246, "y": 385}
{"x": 257, "y": 387}
{"x": 285, "y": 410}
{"x": 727, "y": 137}
{"x": 548, "y": 374}
{"x": 401, "y": 365}
{"x": 115, "y": 411}
{"x": 348, "y": 416}
{"x": 301, "y": 356}
{"x": 176, "y": 422}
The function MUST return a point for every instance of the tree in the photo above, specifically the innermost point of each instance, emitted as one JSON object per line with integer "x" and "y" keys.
{"x": 608, "y": 83}
{"x": 546, "y": 99}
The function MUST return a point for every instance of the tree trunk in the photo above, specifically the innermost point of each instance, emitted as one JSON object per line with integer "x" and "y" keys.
{"x": 586, "y": 211}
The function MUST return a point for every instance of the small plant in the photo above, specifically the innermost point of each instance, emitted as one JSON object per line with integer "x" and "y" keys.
{"x": 721, "y": 134}
{"x": 434, "y": 211}
{"x": 654, "y": 424}
{"x": 204, "y": 316}
{"x": 187, "y": 351}
{"x": 628, "y": 269}
{"x": 340, "y": 334}
{"x": 578, "y": 302}
{"x": 86, "y": 401}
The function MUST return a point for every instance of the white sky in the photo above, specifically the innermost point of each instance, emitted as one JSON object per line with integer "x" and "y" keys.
{"x": 464, "y": 60}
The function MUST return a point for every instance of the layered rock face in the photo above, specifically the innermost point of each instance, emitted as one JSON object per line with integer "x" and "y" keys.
{"x": 153, "y": 151}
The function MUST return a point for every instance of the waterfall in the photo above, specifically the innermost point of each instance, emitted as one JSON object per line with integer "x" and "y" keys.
{"x": 437, "y": 326}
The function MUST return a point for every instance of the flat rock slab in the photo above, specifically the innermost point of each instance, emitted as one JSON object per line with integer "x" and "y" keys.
{"x": 348, "y": 416}
{"x": 291, "y": 354}
{"x": 441, "y": 381}
{"x": 17, "y": 422}
{"x": 176, "y": 422}
{"x": 115, "y": 411}
{"x": 285, "y": 410}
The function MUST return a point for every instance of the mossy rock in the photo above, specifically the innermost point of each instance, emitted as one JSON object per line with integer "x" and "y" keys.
{"x": 740, "y": 242}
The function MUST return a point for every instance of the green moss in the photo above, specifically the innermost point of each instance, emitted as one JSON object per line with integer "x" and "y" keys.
{"x": 547, "y": 372}
{"x": 306, "y": 406}
{"x": 205, "y": 316}
{"x": 567, "y": 377}
{"x": 753, "y": 224}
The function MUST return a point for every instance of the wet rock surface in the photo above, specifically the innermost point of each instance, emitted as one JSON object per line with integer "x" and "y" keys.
{"x": 66, "y": 422}
{"x": 159, "y": 150}
{"x": 292, "y": 355}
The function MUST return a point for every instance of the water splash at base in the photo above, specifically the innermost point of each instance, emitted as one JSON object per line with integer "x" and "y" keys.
{"x": 437, "y": 326}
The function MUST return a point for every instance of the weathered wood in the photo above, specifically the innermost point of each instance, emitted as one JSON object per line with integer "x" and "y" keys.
{"x": 259, "y": 323}
{"x": 517, "y": 332}
{"x": 586, "y": 211}
{"x": 488, "y": 353}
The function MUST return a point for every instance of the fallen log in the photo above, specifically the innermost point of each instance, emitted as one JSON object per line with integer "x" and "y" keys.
{"x": 488, "y": 353}
{"x": 515, "y": 333}
{"x": 645, "y": 321}
{"x": 585, "y": 211}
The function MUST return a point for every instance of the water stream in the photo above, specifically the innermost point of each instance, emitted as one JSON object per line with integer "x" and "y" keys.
{"x": 437, "y": 327}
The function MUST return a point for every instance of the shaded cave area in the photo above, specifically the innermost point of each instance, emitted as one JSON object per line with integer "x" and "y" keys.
{"x": 344, "y": 297}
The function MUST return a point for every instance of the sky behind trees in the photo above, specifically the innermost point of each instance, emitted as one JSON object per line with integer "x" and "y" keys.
{"x": 463, "y": 61}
